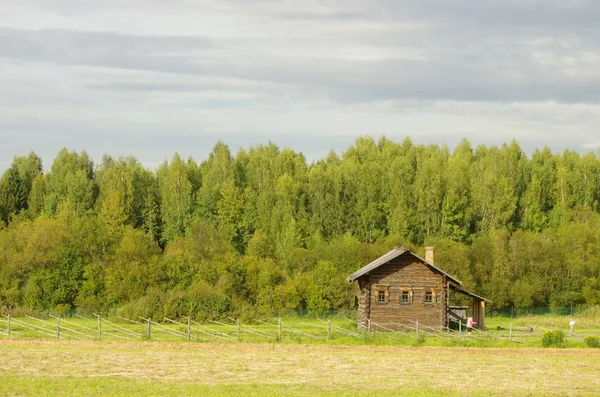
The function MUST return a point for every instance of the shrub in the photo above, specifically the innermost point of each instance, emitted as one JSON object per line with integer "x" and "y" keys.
{"x": 553, "y": 338}
{"x": 592, "y": 341}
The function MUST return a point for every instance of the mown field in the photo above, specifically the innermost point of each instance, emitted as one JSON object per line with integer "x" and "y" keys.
{"x": 111, "y": 368}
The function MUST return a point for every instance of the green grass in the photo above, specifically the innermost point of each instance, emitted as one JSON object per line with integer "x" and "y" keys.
{"x": 16, "y": 386}
{"x": 298, "y": 330}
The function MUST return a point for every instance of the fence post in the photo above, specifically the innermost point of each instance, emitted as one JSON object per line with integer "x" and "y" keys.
{"x": 99, "y": 327}
{"x": 57, "y": 327}
{"x": 189, "y": 330}
{"x": 510, "y": 332}
{"x": 369, "y": 326}
{"x": 279, "y": 331}
{"x": 8, "y": 329}
{"x": 148, "y": 329}
{"x": 238, "y": 329}
{"x": 417, "y": 328}
{"x": 459, "y": 327}
{"x": 328, "y": 330}
{"x": 572, "y": 325}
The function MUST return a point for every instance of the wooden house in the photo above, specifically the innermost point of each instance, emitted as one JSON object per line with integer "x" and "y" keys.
{"x": 401, "y": 288}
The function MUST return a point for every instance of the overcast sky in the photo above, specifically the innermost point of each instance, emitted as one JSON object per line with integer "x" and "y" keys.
{"x": 154, "y": 77}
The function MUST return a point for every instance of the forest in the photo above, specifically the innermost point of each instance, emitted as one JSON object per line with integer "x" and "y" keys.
{"x": 263, "y": 230}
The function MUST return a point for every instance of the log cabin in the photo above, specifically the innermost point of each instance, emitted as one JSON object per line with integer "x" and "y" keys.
{"x": 400, "y": 289}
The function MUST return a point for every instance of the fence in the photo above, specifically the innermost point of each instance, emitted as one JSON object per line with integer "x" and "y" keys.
{"x": 315, "y": 330}
{"x": 573, "y": 310}
{"x": 100, "y": 328}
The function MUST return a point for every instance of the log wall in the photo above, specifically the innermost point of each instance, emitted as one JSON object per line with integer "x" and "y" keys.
{"x": 402, "y": 273}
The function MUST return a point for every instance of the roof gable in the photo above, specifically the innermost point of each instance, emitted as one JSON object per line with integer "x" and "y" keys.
{"x": 394, "y": 253}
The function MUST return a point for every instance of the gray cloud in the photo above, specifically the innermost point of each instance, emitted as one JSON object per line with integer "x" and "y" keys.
{"x": 142, "y": 87}
{"x": 265, "y": 69}
{"x": 339, "y": 79}
{"x": 99, "y": 48}
{"x": 546, "y": 13}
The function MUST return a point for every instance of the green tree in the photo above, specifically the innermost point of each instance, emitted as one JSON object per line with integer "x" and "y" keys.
{"x": 363, "y": 193}
{"x": 328, "y": 290}
{"x": 325, "y": 193}
{"x": 229, "y": 212}
{"x": 70, "y": 182}
{"x": 539, "y": 198}
{"x": 456, "y": 208}
{"x": 135, "y": 269}
{"x": 216, "y": 172}
{"x": 13, "y": 194}
{"x": 494, "y": 200}
{"x": 16, "y": 184}
{"x": 400, "y": 180}
{"x": 429, "y": 191}
{"x": 176, "y": 198}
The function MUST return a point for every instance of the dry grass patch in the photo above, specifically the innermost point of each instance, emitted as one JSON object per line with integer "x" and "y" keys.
{"x": 350, "y": 370}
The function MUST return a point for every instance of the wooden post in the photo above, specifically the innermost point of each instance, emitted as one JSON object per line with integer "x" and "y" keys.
{"x": 510, "y": 332}
{"x": 57, "y": 327}
{"x": 99, "y": 327}
{"x": 328, "y": 330}
{"x": 459, "y": 327}
{"x": 8, "y": 327}
{"x": 279, "y": 331}
{"x": 417, "y": 328}
{"x": 189, "y": 330}
{"x": 369, "y": 326}
{"x": 238, "y": 329}
{"x": 148, "y": 329}
{"x": 481, "y": 319}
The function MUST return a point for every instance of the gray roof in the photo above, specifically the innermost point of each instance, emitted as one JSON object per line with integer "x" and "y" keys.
{"x": 394, "y": 253}
{"x": 464, "y": 291}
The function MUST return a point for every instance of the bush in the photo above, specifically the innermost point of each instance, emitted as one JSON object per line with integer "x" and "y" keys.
{"x": 553, "y": 338}
{"x": 592, "y": 341}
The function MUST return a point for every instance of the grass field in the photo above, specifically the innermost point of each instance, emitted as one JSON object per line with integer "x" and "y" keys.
{"x": 527, "y": 331}
{"x": 111, "y": 368}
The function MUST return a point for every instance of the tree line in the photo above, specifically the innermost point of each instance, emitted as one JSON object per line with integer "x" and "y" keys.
{"x": 263, "y": 230}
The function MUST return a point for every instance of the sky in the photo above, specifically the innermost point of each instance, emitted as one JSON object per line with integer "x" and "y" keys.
{"x": 149, "y": 78}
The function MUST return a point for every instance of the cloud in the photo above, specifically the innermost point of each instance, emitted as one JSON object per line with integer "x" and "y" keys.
{"x": 339, "y": 79}
{"x": 591, "y": 145}
{"x": 144, "y": 87}
{"x": 250, "y": 71}
{"x": 106, "y": 49}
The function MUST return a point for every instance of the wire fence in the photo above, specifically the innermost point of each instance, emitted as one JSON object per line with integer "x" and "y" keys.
{"x": 315, "y": 330}
{"x": 573, "y": 310}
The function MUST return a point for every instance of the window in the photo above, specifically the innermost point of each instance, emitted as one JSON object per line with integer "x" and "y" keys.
{"x": 405, "y": 297}
{"x": 428, "y": 300}
{"x": 429, "y": 296}
{"x": 382, "y": 293}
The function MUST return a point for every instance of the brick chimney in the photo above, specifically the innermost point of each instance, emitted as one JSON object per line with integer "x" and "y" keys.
{"x": 429, "y": 254}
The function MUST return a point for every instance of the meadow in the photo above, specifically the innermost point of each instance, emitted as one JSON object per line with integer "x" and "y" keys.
{"x": 304, "y": 362}
{"x": 523, "y": 331}
{"x": 111, "y": 368}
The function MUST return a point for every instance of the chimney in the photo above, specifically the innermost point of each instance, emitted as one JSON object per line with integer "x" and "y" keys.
{"x": 429, "y": 254}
